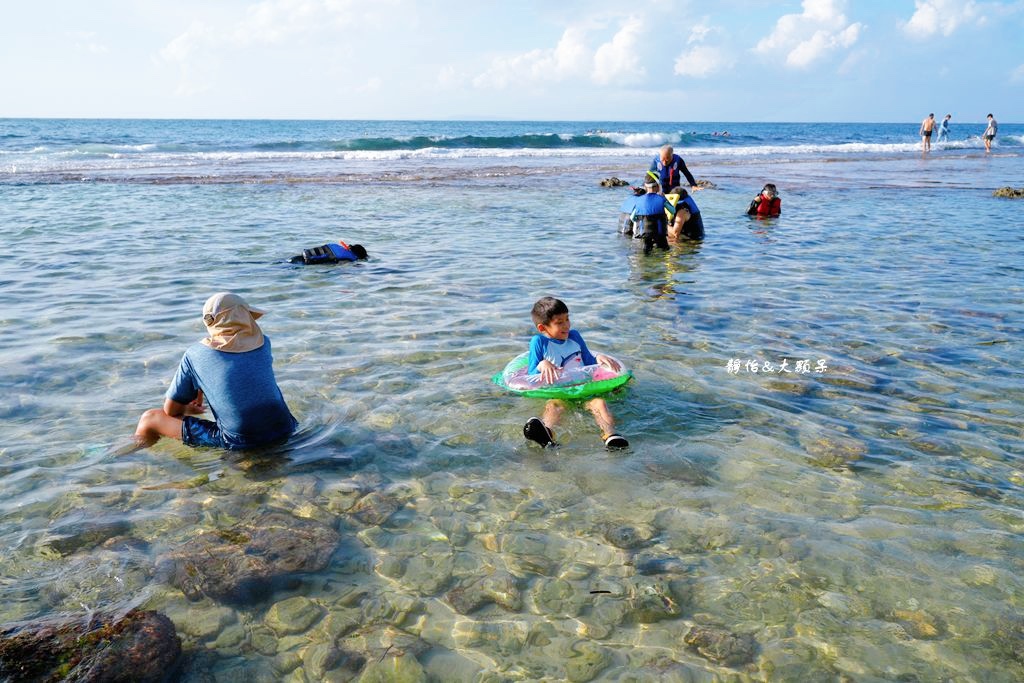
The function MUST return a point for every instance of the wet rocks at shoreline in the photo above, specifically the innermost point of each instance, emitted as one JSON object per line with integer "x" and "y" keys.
{"x": 140, "y": 646}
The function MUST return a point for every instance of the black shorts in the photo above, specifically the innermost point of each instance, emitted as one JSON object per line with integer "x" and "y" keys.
{"x": 926, "y": 133}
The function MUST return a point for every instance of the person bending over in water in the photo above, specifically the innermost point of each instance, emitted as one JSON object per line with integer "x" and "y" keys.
{"x": 687, "y": 222}
{"x": 670, "y": 169}
{"x": 650, "y": 215}
{"x": 330, "y": 253}
{"x": 556, "y": 347}
{"x": 767, "y": 203}
{"x": 232, "y": 371}
{"x": 944, "y": 128}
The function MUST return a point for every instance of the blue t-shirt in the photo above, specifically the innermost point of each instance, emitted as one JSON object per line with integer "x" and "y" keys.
{"x": 572, "y": 351}
{"x": 240, "y": 390}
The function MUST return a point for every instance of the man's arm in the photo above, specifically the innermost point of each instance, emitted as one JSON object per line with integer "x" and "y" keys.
{"x": 686, "y": 172}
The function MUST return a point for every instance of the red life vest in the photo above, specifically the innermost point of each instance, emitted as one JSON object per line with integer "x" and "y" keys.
{"x": 769, "y": 207}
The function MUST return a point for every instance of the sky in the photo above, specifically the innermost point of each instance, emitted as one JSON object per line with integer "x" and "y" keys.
{"x": 660, "y": 60}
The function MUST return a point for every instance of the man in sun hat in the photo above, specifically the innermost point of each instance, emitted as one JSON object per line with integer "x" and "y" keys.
{"x": 232, "y": 371}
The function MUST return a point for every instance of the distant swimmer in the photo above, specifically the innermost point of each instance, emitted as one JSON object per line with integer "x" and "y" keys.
{"x": 926, "y": 132}
{"x": 990, "y": 133}
{"x": 944, "y": 128}
{"x": 330, "y": 253}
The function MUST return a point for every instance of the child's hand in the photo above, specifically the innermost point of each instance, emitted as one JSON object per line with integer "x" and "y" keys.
{"x": 608, "y": 362}
{"x": 196, "y": 407}
{"x": 548, "y": 372}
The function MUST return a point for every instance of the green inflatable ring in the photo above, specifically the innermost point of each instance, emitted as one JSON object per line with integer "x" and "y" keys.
{"x": 577, "y": 383}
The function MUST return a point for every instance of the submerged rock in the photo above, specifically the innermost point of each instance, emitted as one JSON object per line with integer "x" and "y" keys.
{"x": 499, "y": 588}
{"x": 613, "y": 182}
{"x": 141, "y": 646}
{"x": 244, "y": 562}
{"x": 374, "y": 644}
{"x": 918, "y": 623}
{"x": 558, "y": 597}
{"x": 832, "y": 452}
{"x": 585, "y": 661}
{"x": 294, "y": 615}
{"x": 402, "y": 669}
{"x": 85, "y": 536}
{"x": 721, "y": 646}
{"x": 652, "y": 600}
{"x": 375, "y": 508}
{"x": 628, "y": 537}
{"x": 1008, "y": 637}
{"x": 1009, "y": 193}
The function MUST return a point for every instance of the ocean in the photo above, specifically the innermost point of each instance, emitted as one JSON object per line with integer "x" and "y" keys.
{"x": 825, "y": 477}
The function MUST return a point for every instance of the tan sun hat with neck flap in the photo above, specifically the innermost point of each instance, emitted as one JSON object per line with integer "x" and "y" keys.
{"x": 231, "y": 324}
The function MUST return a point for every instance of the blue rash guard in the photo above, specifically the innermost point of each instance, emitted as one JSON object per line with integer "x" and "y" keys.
{"x": 672, "y": 173}
{"x": 240, "y": 390}
{"x": 571, "y": 352}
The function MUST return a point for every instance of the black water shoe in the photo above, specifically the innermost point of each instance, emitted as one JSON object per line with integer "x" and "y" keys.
{"x": 536, "y": 431}
{"x": 615, "y": 442}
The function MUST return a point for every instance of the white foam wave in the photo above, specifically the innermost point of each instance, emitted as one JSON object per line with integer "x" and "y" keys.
{"x": 142, "y": 157}
{"x": 640, "y": 139}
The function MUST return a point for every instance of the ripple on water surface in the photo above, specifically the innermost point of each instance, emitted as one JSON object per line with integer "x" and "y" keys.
{"x": 860, "y": 518}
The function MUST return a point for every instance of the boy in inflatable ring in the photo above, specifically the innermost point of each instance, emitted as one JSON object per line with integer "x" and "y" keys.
{"x": 555, "y": 347}
{"x": 330, "y": 253}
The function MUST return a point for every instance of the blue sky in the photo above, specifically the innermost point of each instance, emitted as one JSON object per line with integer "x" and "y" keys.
{"x": 661, "y": 60}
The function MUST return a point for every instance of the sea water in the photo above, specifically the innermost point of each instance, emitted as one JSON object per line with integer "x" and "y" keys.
{"x": 825, "y": 420}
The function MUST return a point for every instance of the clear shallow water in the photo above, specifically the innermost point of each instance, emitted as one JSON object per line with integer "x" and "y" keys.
{"x": 863, "y": 521}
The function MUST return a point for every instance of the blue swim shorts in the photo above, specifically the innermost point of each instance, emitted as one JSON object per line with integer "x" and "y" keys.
{"x": 196, "y": 431}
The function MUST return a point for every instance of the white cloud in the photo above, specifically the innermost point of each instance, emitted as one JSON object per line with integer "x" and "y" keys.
{"x": 450, "y": 78}
{"x": 702, "y": 61}
{"x": 1017, "y": 75}
{"x": 572, "y": 58}
{"x": 373, "y": 84}
{"x": 940, "y": 16}
{"x": 619, "y": 59}
{"x": 569, "y": 59}
{"x": 270, "y": 22}
{"x": 807, "y": 37}
{"x": 700, "y": 31}
{"x": 182, "y": 48}
{"x": 86, "y": 40}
